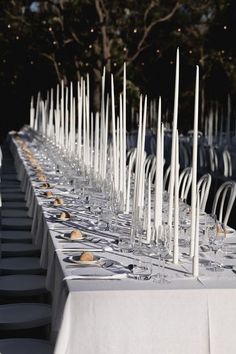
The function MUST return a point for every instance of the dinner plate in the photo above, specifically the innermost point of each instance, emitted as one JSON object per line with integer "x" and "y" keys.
{"x": 227, "y": 232}
{"x": 61, "y": 219}
{"x": 50, "y": 187}
{"x": 66, "y": 237}
{"x": 76, "y": 259}
{"x": 44, "y": 196}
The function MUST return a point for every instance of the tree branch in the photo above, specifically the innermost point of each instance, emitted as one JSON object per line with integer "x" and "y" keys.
{"x": 51, "y": 57}
{"x": 147, "y": 29}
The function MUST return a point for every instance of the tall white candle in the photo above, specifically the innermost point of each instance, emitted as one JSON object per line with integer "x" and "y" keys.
{"x": 121, "y": 148}
{"x": 176, "y": 201}
{"x": 194, "y": 164}
{"x": 96, "y": 142}
{"x": 62, "y": 112}
{"x": 149, "y": 210}
{"x": 124, "y": 134}
{"x": 91, "y": 142}
{"x": 159, "y": 173}
{"x": 67, "y": 118}
{"x": 114, "y": 133}
{"x": 196, "y": 243}
{"x": 130, "y": 169}
{"x": 79, "y": 122}
{"x": 142, "y": 158}
{"x": 174, "y": 127}
{"x": 106, "y": 139}
{"x": 138, "y": 154}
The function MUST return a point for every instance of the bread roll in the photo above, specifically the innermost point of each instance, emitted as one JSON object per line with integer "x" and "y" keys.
{"x": 48, "y": 194}
{"x": 42, "y": 178}
{"x": 64, "y": 215}
{"x": 58, "y": 201}
{"x": 86, "y": 257}
{"x": 76, "y": 235}
{"x": 45, "y": 185}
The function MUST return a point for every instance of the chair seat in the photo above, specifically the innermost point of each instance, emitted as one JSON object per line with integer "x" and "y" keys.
{"x": 11, "y": 190}
{"x": 24, "y": 316}
{"x": 7, "y": 236}
{"x": 10, "y": 184}
{"x": 13, "y": 197}
{"x": 14, "y": 213}
{"x": 16, "y": 223}
{"x": 10, "y": 177}
{"x": 22, "y": 285}
{"x": 15, "y": 205}
{"x": 20, "y": 265}
{"x": 25, "y": 346}
{"x": 19, "y": 250}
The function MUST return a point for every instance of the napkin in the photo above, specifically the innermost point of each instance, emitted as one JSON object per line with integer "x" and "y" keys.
{"x": 96, "y": 277}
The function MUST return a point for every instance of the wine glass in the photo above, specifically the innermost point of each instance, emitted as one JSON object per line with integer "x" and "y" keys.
{"x": 216, "y": 241}
{"x": 165, "y": 251}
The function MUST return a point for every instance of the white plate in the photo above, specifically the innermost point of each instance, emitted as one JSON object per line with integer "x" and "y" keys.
{"x": 67, "y": 238}
{"x": 75, "y": 259}
{"x": 44, "y": 196}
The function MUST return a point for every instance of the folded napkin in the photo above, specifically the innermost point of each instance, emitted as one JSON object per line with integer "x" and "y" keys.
{"x": 80, "y": 249}
{"x": 97, "y": 277}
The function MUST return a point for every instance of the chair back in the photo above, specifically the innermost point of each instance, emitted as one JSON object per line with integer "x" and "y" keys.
{"x": 203, "y": 188}
{"x": 227, "y": 163}
{"x": 213, "y": 159}
{"x": 185, "y": 180}
{"x": 221, "y": 203}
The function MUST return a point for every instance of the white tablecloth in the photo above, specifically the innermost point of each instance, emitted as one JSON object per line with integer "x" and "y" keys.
{"x": 128, "y": 316}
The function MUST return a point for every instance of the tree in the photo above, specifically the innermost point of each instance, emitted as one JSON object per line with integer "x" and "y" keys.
{"x": 72, "y": 37}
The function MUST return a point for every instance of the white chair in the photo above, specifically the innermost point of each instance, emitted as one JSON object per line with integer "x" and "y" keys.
{"x": 213, "y": 159}
{"x": 203, "y": 188}
{"x": 227, "y": 163}
{"x": 221, "y": 206}
{"x": 131, "y": 163}
{"x": 148, "y": 163}
{"x": 166, "y": 179}
{"x": 185, "y": 180}
{"x": 153, "y": 169}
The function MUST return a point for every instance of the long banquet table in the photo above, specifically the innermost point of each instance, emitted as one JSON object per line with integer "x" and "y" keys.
{"x": 185, "y": 315}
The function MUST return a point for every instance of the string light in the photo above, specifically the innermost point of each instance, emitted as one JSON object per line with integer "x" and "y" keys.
{"x": 86, "y": 64}
{"x": 190, "y": 51}
{"x": 225, "y": 27}
{"x": 92, "y": 30}
{"x": 115, "y": 64}
{"x": 90, "y": 46}
{"x": 230, "y": 58}
{"x": 135, "y": 30}
{"x": 223, "y": 52}
{"x": 9, "y": 26}
{"x": 125, "y": 49}
{"x": 59, "y": 63}
{"x": 50, "y": 29}
{"x": 142, "y": 63}
{"x": 54, "y": 42}
{"x": 171, "y": 62}
{"x": 4, "y": 61}
{"x": 31, "y": 62}
{"x": 158, "y": 51}
{"x": 179, "y": 29}
{"x": 17, "y": 38}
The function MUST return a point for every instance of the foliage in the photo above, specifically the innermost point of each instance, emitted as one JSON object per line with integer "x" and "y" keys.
{"x": 62, "y": 39}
